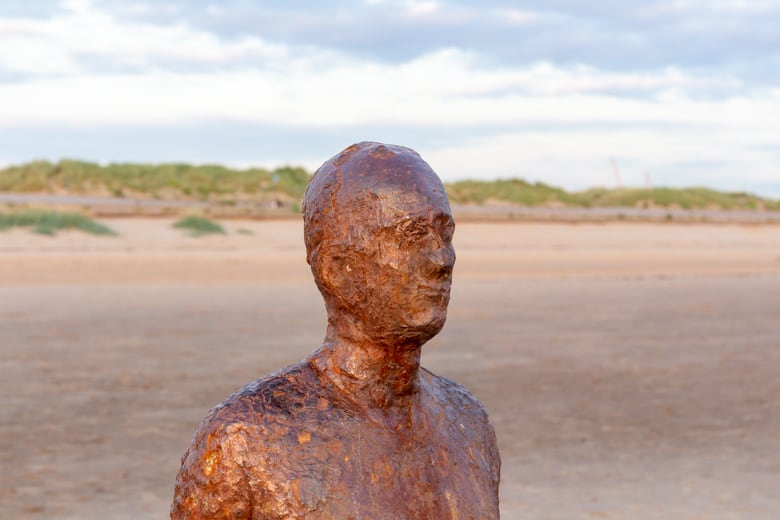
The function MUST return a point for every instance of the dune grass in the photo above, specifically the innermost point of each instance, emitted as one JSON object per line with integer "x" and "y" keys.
{"x": 517, "y": 191}
{"x": 286, "y": 185}
{"x": 199, "y": 226}
{"x": 173, "y": 180}
{"x": 685, "y": 198}
{"x": 49, "y": 222}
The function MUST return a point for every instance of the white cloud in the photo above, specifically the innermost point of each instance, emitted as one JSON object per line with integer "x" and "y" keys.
{"x": 421, "y": 7}
{"x": 578, "y": 160}
{"x": 69, "y": 43}
{"x": 543, "y": 121}
{"x": 700, "y": 7}
{"x": 516, "y": 16}
{"x": 444, "y": 88}
{"x": 78, "y": 6}
{"x": 744, "y": 6}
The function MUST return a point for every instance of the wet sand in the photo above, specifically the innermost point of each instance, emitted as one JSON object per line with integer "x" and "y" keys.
{"x": 632, "y": 371}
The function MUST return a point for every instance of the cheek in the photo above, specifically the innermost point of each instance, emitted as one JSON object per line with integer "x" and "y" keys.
{"x": 391, "y": 291}
{"x": 399, "y": 277}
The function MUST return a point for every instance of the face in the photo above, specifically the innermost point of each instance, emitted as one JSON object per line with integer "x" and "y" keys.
{"x": 397, "y": 281}
{"x": 411, "y": 273}
{"x": 379, "y": 238}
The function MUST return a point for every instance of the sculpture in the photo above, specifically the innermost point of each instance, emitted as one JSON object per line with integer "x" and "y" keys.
{"x": 357, "y": 430}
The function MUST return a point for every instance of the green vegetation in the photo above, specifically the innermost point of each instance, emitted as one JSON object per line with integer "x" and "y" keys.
{"x": 198, "y": 226}
{"x": 685, "y": 198}
{"x": 175, "y": 181}
{"x": 516, "y": 191}
{"x": 230, "y": 188}
{"x": 49, "y": 222}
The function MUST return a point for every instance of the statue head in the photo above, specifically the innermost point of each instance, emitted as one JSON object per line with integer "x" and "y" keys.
{"x": 378, "y": 231}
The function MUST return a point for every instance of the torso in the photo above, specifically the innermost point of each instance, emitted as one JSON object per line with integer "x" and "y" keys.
{"x": 311, "y": 453}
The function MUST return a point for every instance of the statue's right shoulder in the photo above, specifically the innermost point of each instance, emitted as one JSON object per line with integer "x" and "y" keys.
{"x": 270, "y": 400}
{"x": 234, "y": 448}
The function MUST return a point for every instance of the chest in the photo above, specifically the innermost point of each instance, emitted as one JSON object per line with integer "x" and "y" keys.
{"x": 358, "y": 471}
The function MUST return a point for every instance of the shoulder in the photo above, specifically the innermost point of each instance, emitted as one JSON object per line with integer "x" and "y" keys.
{"x": 262, "y": 405}
{"x": 214, "y": 478}
{"x": 213, "y": 469}
{"x": 455, "y": 396}
{"x": 468, "y": 416}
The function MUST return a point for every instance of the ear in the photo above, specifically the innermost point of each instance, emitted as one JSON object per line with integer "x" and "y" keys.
{"x": 341, "y": 274}
{"x": 327, "y": 270}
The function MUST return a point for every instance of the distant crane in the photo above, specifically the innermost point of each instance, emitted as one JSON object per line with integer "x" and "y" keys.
{"x": 616, "y": 173}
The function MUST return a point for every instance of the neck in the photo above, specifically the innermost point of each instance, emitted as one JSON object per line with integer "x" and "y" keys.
{"x": 369, "y": 371}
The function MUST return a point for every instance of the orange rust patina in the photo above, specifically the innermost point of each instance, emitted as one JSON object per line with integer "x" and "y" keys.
{"x": 357, "y": 430}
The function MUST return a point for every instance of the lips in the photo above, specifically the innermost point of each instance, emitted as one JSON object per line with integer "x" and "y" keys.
{"x": 435, "y": 290}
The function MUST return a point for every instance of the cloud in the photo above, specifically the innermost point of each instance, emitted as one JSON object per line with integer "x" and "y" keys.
{"x": 421, "y": 8}
{"x": 448, "y": 87}
{"x": 576, "y": 159}
{"x": 74, "y": 43}
{"x": 608, "y": 35}
{"x": 494, "y": 91}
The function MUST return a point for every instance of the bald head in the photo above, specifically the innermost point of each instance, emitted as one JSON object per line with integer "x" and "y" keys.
{"x": 359, "y": 186}
{"x": 378, "y": 231}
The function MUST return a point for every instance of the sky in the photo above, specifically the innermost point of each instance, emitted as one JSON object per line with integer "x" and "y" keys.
{"x": 573, "y": 93}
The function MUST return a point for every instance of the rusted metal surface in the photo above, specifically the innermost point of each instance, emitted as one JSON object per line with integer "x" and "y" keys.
{"x": 357, "y": 430}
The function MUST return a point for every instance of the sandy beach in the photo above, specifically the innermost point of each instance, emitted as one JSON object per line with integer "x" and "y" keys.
{"x": 631, "y": 370}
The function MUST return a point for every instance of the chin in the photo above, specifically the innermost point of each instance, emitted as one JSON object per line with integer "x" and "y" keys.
{"x": 425, "y": 324}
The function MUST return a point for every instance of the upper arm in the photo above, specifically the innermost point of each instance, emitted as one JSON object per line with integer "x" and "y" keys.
{"x": 212, "y": 482}
{"x": 494, "y": 457}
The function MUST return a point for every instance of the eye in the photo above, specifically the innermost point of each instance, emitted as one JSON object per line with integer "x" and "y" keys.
{"x": 413, "y": 228}
{"x": 445, "y": 227}
{"x": 449, "y": 231}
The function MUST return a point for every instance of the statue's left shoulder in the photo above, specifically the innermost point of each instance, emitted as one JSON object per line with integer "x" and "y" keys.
{"x": 468, "y": 417}
{"x": 451, "y": 394}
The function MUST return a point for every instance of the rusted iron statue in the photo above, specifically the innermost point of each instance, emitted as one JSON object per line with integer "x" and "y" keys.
{"x": 357, "y": 430}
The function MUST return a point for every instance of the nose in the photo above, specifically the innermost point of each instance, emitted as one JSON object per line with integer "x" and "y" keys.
{"x": 443, "y": 257}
